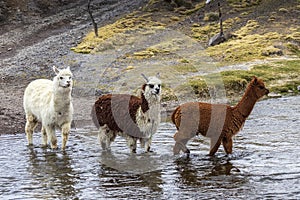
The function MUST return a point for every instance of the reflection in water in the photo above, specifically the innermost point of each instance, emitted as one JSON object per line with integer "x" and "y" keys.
{"x": 202, "y": 173}
{"x": 264, "y": 164}
{"x": 51, "y": 173}
{"x": 188, "y": 173}
{"x": 133, "y": 163}
{"x": 143, "y": 169}
{"x": 223, "y": 169}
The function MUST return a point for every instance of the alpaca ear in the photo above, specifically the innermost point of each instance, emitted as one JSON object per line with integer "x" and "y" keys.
{"x": 143, "y": 88}
{"x": 254, "y": 79}
{"x": 55, "y": 70}
{"x": 143, "y": 75}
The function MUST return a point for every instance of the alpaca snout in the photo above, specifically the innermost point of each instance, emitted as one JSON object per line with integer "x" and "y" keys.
{"x": 68, "y": 84}
{"x": 267, "y": 91}
{"x": 157, "y": 90}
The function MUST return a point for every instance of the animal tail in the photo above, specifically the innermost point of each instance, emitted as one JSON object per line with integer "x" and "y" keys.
{"x": 94, "y": 116}
{"x": 175, "y": 116}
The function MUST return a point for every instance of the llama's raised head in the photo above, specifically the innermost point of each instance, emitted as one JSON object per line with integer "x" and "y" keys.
{"x": 63, "y": 78}
{"x": 259, "y": 87}
{"x": 152, "y": 88}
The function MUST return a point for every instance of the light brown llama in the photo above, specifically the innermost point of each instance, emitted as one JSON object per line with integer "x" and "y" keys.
{"x": 219, "y": 122}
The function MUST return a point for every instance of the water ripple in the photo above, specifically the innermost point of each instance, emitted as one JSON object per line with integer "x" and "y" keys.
{"x": 264, "y": 164}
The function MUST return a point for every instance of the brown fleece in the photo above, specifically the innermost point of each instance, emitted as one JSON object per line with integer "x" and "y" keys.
{"x": 219, "y": 122}
{"x": 118, "y": 112}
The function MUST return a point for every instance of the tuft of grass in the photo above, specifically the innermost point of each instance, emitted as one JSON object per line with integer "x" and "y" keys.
{"x": 211, "y": 16}
{"x": 184, "y": 68}
{"x": 248, "y": 42}
{"x": 197, "y": 7}
{"x": 242, "y": 4}
{"x": 203, "y": 33}
{"x": 122, "y": 27}
{"x": 246, "y": 47}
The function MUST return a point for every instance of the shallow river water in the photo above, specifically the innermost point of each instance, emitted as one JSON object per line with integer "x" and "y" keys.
{"x": 265, "y": 164}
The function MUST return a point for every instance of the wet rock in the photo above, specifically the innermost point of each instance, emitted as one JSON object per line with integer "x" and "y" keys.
{"x": 216, "y": 39}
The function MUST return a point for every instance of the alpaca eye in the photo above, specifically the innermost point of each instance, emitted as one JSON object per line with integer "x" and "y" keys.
{"x": 61, "y": 78}
{"x": 159, "y": 85}
{"x": 151, "y": 85}
{"x": 70, "y": 78}
{"x": 261, "y": 87}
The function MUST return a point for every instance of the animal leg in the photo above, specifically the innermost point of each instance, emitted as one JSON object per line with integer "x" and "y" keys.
{"x": 105, "y": 137}
{"x": 214, "y": 148}
{"x": 146, "y": 144}
{"x": 227, "y": 144}
{"x": 51, "y": 134}
{"x": 181, "y": 141}
{"x": 65, "y": 130}
{"x": 44, "y": 137}
{"x": 131, "y": 141}
{"x": 31, "y": 123}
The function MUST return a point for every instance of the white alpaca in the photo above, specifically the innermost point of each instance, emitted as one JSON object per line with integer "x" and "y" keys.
{"x": 50, "y": 103}
{"x": 135, "y": 118}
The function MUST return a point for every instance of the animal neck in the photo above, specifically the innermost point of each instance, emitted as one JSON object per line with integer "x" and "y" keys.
{"x": 246, "y": 104}
{"x": 145, "y": 103}
{"x": 62, "y": 97}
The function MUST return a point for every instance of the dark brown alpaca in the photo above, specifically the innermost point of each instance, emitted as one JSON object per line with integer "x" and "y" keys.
{"x": 219, "y": 122}
{"x": 134, "y": 118}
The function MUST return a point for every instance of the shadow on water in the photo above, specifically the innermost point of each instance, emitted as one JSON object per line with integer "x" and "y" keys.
{"x": 205, "y": 171}
{"x": 52, "y": 171}
{"x": 264, "y": 164}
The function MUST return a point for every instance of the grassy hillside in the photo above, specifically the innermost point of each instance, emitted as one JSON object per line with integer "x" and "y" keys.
{"x": 266, "y": 30}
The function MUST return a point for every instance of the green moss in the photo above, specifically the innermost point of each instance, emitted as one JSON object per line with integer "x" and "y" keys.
{"x": 279, "y": 77}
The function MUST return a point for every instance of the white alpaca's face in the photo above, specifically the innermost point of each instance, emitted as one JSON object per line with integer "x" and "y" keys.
{"x": 153, "y": 86}
{"x": 64, "y": 77}
{"x": 65, "y": 81}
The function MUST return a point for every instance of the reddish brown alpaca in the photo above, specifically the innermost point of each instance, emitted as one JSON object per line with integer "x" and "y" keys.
{"x": 219, "y": 122}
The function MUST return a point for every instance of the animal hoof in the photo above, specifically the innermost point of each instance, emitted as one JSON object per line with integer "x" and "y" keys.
{"x": 188, "y": 155}
{"x": 187, "y": 151}
{"x": 149, "y": 150}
